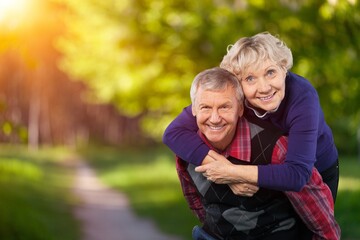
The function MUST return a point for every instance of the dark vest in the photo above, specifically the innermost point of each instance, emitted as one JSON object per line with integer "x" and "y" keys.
{"x": 229, "y": 216}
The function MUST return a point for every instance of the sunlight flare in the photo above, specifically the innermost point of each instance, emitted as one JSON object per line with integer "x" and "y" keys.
{"x": 12, "y": 11}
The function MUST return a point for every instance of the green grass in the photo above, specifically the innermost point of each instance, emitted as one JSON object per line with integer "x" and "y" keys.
{"x": 34, "y": 195}
{"x": 347, "y": 207}
{"x": 149, "y": 178}
{"x": 35, "y": 202}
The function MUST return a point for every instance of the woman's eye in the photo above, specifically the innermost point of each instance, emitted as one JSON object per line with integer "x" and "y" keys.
{"x": 249, "y": 78}
{"x": 270, "y": 73}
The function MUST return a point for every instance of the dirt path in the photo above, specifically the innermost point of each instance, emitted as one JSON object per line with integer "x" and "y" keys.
{"x": 105, "y": 213}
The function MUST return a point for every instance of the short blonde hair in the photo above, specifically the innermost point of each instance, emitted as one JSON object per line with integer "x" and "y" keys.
{"x": 216, "y": 79}
{"x": 250, "y": 52}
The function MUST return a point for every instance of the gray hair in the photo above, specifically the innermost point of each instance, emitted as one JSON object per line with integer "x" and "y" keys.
{"x": 216, "y": 79}
{"x": 253, "y": 51}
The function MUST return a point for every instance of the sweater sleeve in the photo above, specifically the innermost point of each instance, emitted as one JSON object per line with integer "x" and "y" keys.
{"x": 283, "y": 177}
{"x": 302, "y": 120}
{"x": 182, "y": 138}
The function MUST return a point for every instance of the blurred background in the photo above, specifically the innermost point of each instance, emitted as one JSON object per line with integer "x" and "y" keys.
{"x": 101, "y": 80}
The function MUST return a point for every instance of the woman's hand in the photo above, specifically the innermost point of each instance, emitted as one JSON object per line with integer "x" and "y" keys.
{"x": 243, "y": 189}
{"x": 218, "y": 171}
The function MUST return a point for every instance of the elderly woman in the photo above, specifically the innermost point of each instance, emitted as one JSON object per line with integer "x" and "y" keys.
{"x": 277, "y": 96}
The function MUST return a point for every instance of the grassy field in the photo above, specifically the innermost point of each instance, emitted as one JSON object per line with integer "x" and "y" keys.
{"x": 35, "y": 201}
{"x": 34, "y": 196}
{"x": 347, "y": 207}
{"x": 149, "y": 178}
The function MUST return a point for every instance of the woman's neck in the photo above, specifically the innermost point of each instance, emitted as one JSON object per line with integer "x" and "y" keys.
{"x": 260, "y": 113}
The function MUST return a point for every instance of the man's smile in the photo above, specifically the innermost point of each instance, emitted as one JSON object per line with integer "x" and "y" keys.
{"x": 216, "y": 128}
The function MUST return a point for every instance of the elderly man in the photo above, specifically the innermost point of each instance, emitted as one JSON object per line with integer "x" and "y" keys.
{"x": 239, "y": 210}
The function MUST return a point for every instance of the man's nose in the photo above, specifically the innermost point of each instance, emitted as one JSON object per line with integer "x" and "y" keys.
{"x": 215, "y": 117}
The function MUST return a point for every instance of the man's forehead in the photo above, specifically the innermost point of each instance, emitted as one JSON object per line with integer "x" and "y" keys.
{"x": 216, "y": 100}
{"x": 211, "y": 93}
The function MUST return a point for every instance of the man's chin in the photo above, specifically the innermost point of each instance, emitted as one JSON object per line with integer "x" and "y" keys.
{"x": 218, "y": 144}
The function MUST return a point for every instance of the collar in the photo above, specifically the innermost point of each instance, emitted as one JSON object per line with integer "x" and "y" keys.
{"x": 257, "y": 113}
{"x": 240, "y": 146}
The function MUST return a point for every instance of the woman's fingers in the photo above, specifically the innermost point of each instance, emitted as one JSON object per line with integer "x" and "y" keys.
{"x": 200, "y": 169}
{"x": 216, "y": 156}
{"x": 244, "y": 189}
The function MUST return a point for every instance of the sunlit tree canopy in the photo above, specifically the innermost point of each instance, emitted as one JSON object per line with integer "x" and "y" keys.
{"x": 142, "y": 55}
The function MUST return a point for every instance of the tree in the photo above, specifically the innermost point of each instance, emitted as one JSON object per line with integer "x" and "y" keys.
{"x": 39, "y": 104}
{"x": 141, "y": 55}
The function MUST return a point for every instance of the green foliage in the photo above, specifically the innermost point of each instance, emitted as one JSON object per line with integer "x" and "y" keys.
{"x": 142, "y": 55}
{"x": 34, "y": 197}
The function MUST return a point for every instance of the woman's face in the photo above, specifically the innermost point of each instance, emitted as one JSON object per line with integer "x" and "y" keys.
{"x": 264, "y": 87}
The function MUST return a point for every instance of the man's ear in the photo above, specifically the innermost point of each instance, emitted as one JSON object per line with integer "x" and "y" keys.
{"x": 241, "y": 109}
{"x": 193, "y": 110}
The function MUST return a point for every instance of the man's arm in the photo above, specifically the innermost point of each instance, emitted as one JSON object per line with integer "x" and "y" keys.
{"x": 189, "y": 190}
{"x": 314, "y": 203}
{"x": 315, "y": 207}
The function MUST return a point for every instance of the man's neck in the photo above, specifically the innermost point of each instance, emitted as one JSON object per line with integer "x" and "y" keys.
{"x": 221, "y": 147}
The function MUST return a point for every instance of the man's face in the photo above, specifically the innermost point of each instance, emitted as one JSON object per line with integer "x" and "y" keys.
{"x": 217, "y": 113}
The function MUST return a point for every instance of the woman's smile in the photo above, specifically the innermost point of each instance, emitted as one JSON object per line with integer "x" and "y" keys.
{"x": 268, "y": 97}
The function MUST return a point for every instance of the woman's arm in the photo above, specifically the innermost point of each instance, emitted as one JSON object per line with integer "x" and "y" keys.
{"x": 241, "y": 179}
{"x": 283, "y": 177}
{"x": 222, "y": 171}
{"x": 303, "y": 121}
{"x": 294, "y": 173}
{"x": 182, "y": 138}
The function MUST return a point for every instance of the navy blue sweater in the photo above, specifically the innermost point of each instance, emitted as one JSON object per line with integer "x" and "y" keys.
{"x": 299, "y": 116}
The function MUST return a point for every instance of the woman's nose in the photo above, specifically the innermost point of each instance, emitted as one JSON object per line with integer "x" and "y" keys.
{"x": 263, "y": 85}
